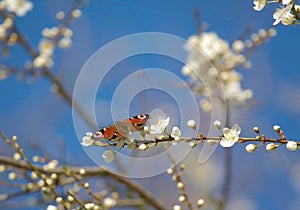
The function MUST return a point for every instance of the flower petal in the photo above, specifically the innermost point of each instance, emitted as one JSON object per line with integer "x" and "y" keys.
{"x": 236, "y": 128}
{"x": 108, "y": 156}
{"x": 226, "y": 131}
{"x": 226, "y": 143}
{"x": 87, "y": 141}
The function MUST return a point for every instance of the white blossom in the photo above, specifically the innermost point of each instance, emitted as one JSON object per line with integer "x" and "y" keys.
{"x": 82, "y": 171}
{"x": 59, "y": 200}
{"x": 51, "y": 207}
{"x": 177, "y": 207}
{"x": 17, "y": 156}
{"x": 19, "y": 7}
{"x": 12, "y": 176}
{"x": 87, "y": 141}
{"x": 160, "y": 126}
{"x": 76, "y": 13}
{"x": 292, "y": 146}
{"x": 70, "y": 198}
{"x": 2, "y": 168}
{"x": 251, "y": 148}
{"x": 176, "y": 133}
{"x": 108, "y": 156}
{"x": 50, "y": 32}
{"x": 276, "y": 128}
{"x": 191, "y": 124}
{"x": 217, "y": 124}
{"x": 3, "y": 33}
{"x": 51, "y": 165}
{"x": 205, "y": 105}
{"x": 284, "y": 2}
{"x": 33, "y": 175}
{"x": 238, "y": 46}
{"x": 180, "y": 185}
{"x": 42, "y": 61}
{"x": 193, "y": 144}
{"x": 288, "y": 19}
{"x": 200, "y": 202}
{"x": 60, "y": 15}
{"x": 283, "y": 15}
{"x": 231, "y": 136}
{"x": 271, "y": 147}
{"x": 65, "y": 42}
{"x": 143, "y": 147}
{"x": 46, "y": 47}
{"x": 208, "y": 48}
{"x": 68, "y": 33}
{"x": 182, "y": 198}
{"x": 109, "y": 202}
{"x": 259, "y": 4}
{"x": 146, "y": 129}
{"x": 169, "y": 171}
{"x": 86, "y": 185}
{"x": 89, "y": 206}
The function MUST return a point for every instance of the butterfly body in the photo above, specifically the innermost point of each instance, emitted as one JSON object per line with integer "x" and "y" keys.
{"x": 121, "y": 128}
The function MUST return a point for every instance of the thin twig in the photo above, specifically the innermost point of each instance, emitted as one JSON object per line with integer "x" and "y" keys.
{"x": 61, "y": 90}
{"x": 196, "y": 139}
{"x": 91, "y": 172}
{"x": 179, "y": 179}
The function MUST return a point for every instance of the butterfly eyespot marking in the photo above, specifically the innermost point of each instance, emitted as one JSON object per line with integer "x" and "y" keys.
{"x": 139, "y": 124}
{"x": 143, "y": 116}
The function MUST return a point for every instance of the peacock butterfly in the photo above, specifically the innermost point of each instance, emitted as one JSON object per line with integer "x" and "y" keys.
{"x": 121, "y": 128}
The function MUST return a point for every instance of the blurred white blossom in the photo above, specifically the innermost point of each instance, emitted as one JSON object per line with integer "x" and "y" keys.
{"x": 208, "y": 80}
{"x": 19, "y": 7}
{"x": 191, "y": 124}
{"x": 108, "y": 156}
{"x": 109, "y": 202}
{"x": 87, "y": 141}
{"x": 51, "y": 207}
{"x": 89, "y": 206}
{"x": 143, "y": 147}
{"x": 218, "y": 124}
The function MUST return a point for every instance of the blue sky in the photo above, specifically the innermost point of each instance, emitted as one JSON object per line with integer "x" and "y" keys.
{"x": 30, "y": 110}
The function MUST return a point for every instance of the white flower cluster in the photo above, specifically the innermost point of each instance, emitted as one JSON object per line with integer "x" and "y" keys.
{"x": 18, "y": 7}
{"x": 211, "y": 63}
{"x": 287, "y": 14}
{"x": 48, "y": 43}
{"x": 4, "y": 27}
